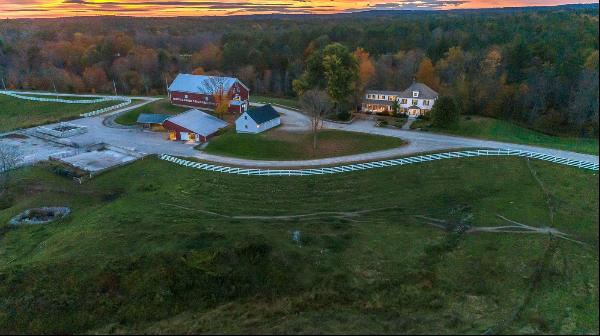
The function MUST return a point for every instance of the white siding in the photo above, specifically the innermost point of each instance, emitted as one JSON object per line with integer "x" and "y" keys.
{"x": 420, "y": 103}
{"x": 245, "y": 124}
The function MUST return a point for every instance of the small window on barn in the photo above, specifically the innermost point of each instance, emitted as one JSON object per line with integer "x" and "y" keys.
{"x": 245, "y": 117}
{"x": 185, "y": 96}
{"x": 245, "y": 126}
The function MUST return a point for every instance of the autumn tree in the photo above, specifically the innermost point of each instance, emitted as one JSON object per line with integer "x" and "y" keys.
{"x": 366, "y": 69}
{"x": 95, "y": 78}
{"x": 209, "y": 57}
{"x": 426, "y": 74}
{"x": 215, "y": 85}
{"x": 198, "y": 71}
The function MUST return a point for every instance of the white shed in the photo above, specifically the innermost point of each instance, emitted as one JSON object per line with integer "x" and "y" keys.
{"x": 257, "y": 120}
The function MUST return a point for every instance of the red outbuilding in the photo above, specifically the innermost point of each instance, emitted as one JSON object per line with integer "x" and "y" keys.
{"x": 201, "y": 91}
{"x": 193, "y": 126}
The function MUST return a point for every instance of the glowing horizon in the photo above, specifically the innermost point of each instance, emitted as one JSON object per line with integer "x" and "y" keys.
{"x": 166, "y": 8}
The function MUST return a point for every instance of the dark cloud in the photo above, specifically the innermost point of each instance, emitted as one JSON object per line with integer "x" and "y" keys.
{"x": 231, "y": 7}
{"x": 419, "y": 4}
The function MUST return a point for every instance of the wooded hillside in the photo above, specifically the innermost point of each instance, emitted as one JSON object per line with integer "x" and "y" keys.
{"x": 537, "y": 67}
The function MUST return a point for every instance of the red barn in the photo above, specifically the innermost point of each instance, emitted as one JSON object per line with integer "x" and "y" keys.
{"x": 200, "y": 91}
{"x": 193, "y": 126}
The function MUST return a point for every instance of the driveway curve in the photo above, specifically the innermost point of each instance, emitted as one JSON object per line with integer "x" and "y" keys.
{"x": 418, "y": 142}
{"x": 103, "y": 129}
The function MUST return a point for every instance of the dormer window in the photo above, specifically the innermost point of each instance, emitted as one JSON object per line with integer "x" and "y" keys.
{"x": 415, "y": 94}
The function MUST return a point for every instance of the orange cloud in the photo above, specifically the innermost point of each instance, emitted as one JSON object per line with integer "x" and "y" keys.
{"x": 61, "y": 8}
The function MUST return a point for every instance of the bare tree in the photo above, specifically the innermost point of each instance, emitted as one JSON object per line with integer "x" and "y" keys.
{"x": 215, "y": 85}
{"x": 10, "y": 157}
{"x": 315, "y": 103}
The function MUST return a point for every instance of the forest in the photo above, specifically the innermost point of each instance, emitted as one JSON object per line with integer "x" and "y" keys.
{"x": 537, "y": 67}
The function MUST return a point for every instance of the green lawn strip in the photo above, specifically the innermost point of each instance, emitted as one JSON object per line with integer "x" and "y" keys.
{"x": 285, "y": 102}
{"x": 151, "y": 247}
{"x": 159, "y": 107}
{"x": 279, "y": 145}
{"x": 62, "y": 97}
{"x": 19, "y": 113}
{"x": 499, "y": 130}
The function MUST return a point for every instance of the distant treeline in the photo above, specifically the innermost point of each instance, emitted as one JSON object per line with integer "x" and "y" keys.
{"x": 537, "y": 67}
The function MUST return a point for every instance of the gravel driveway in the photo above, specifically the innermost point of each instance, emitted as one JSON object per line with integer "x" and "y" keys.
{"x": 155, "y": 143}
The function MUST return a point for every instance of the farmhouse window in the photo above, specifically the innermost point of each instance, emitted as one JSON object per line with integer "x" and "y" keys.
{"x": 404, "y": 100}
{"x": 415, "y": 101}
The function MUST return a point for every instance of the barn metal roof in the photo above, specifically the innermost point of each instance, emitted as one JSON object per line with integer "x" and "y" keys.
{"x": 151, "y": 118}
{"x": 263, "y": 114}
{"x": 201, "y": 84}
{"x": 198, "y": 122}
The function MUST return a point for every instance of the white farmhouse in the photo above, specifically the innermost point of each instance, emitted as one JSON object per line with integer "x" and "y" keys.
{"x": 416, "y": 100}
{"x": 258, "y": 119}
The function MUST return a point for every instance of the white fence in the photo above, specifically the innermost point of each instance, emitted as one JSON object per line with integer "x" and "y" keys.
{"x": 106, "y": 109}
{"x": 377, "y": 164}
{"x": 125, "y": 101}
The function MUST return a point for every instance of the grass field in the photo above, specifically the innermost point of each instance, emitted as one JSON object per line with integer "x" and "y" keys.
{"x": 281, "y": 145}
{"x": 19, "y": 113}
{"x": 58, "y": 97}
{"x": 159, "y": 107}
{"x": 157, "y": 248}
{"x": 493, "y": 129}
{"x": 290, "y": 102}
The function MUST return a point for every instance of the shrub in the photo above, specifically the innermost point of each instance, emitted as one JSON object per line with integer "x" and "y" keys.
{"x": 444, "y": 113}
{"x": 344, "y": 115}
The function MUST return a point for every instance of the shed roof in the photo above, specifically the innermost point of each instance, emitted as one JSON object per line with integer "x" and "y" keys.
{"x": 198, "y": 122}
{"x": 201, "y": 84}
{"x": 151, "y": 118}
{"x": 263, "y": 114}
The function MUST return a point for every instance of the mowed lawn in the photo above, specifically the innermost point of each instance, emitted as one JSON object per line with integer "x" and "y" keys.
{"x": 20, "y": 113}
{"x": 499, "y": 130}
{"x": 158, "y": 248}
{"x": 162, "y": 106}
{"x": 277, "y": 144}
{"x": 289, "y": 102}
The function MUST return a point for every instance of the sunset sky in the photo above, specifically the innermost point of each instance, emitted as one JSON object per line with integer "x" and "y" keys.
{"x": 58, "y": 8}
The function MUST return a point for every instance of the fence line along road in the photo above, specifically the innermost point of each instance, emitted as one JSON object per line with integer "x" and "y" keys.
{"x": 378, "y": 164}
{"x": 125, "y": 101}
